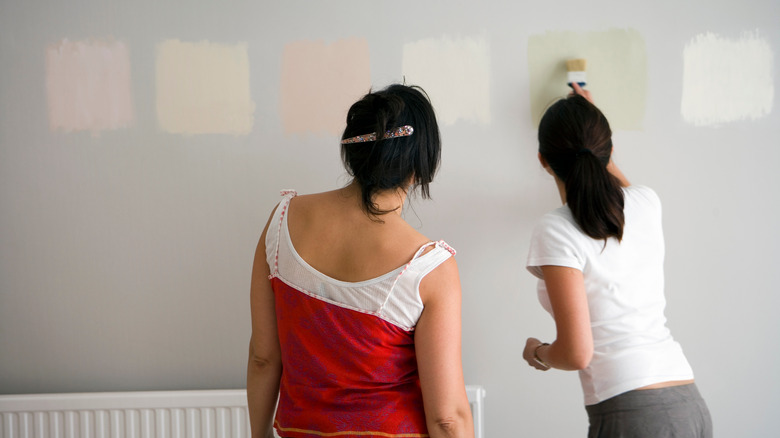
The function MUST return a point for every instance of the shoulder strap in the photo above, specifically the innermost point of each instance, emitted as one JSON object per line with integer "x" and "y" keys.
{"x": 438, "y": 255}
{"x": 272, "y": 256}
{"x": 434, "y": 263}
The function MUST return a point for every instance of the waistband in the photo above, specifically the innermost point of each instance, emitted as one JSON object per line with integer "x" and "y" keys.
{"x": 646, "y": 398}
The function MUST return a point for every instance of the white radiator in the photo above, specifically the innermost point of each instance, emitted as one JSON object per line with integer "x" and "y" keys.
{"x": 167, "y": 414}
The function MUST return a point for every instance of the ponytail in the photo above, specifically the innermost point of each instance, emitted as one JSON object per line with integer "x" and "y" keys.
{"x": 595, "y": 197}
{"x": 576, "y": 141}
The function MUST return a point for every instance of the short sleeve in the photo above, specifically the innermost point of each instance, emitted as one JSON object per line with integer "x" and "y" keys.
{"x": 554, "y": 242}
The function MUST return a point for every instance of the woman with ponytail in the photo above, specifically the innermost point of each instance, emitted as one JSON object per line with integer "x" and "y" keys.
{"x": 599, "y": 260}
{"x": 355, "y": 314}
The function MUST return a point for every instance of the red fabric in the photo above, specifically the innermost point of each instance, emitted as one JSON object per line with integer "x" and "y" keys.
{"x": 345, "y": 373}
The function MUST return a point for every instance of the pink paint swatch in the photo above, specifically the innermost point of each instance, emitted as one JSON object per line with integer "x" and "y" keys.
{"x": 88, "y": 85}
{"x": 320, "y": 81}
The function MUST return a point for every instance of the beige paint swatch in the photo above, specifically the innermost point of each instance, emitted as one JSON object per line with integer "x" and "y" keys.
{"x": 726, "y": 79}
{"x": 203, "y": 88}
{"x": 455, "y": 72}
{"x": 616, "y": 72}
{"x": 320, "y": 81}
{"x": 88, "y": 85}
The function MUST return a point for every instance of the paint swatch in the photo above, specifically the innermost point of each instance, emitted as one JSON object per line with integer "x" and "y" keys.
{"x": 617, "y": 72}
{"x": 455, "y": 72}
{"x": 88, "y": 85}
{"x": 320, "y": 81}
{"x": 725, "y": 79}
{"x": 203, "y": 88}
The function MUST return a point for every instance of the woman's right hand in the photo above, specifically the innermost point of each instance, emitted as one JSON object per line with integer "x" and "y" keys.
{"x": 581, "y": 91}
{"x": 529, "y": 354}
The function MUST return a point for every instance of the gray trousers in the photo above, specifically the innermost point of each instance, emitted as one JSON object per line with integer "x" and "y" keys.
{"x": 673, "y": 412}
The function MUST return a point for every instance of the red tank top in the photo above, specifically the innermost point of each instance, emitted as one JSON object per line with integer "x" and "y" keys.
{"x": 348, "y": 357}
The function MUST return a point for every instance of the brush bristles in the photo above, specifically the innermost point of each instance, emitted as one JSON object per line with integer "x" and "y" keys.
{"x": 576, "y": 64}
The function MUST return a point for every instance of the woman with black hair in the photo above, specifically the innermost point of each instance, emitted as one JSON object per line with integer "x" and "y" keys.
{"x": 599, "y": 259}
{"x": 355, "y": 314}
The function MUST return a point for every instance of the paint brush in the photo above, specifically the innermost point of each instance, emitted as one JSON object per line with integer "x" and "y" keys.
{"x": 576, "y": 71}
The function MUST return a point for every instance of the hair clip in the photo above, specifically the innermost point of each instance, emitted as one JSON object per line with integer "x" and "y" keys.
{"x": 402, "y": 131}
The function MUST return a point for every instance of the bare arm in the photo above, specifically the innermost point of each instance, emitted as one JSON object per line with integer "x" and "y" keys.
{"x": 573, "y": 346}
{"x": 438, "y": 347}
{"x": 616, "y": 172}
{"x": 265, "y": 365}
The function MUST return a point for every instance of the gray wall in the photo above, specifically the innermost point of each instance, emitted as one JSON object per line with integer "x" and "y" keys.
{"x": 125, "y": 257}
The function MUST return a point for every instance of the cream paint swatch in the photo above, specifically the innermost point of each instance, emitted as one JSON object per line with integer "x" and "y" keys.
{"x": 88, "y": 85}
{"x": 455, "y": 72}
{"x": 726, "y": 79}
{"x": 616, "y": 72}
{"x": 203, "y": 88}
{"x": 320, "y": 81}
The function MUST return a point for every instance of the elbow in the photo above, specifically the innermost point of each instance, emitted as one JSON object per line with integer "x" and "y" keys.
{"x": 456, "y": 425}
{"x": 571, "y": 357}
{"x": 268, "y": 362}
{"x": 263, "y": 362}
{"x": 579, "y": 359}
{"x": 572, "y": 353}
{"x": 262, "y": 368}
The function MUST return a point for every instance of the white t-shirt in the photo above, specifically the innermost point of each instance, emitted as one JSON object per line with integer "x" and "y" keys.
{"x": 624, "y": 283}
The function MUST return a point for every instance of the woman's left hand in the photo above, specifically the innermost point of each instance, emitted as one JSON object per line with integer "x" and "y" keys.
{"x": 531, "y": 344}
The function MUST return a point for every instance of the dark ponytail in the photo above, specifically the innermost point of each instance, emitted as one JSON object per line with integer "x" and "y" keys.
{"x": 576, "y": 141}
{"x": 388, "y": 164}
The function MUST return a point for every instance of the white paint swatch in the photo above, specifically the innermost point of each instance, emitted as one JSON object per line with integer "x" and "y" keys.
{"x": 456, "y": 75}
{"x": 203, "y": 88}
{"x": 725, "y": 79}
{"x": 88, "y": 85}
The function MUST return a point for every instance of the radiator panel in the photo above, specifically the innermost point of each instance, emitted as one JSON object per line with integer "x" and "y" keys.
{"x": 165, "y": 414}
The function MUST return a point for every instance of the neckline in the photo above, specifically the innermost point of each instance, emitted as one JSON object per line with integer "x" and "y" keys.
{"x": 392, "y": 274}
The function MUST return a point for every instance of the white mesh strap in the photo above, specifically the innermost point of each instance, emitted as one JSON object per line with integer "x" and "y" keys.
{"x": 273, "y": 234}
{"x": 408, "y": 281}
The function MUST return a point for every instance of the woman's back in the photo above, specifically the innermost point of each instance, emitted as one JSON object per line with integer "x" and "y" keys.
{"x": 624, "y": 284}
{"x": 347, "y": 328}
{"x": 335, "y": 236}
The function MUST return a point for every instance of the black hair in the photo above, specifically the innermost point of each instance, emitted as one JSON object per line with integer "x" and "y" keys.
{"x": 386, "y": 164}
{"x": 576, "y": 141}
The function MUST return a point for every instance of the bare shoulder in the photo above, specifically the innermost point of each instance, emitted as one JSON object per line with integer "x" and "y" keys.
{"x": 304, "y": 207}
{"x": 443, "y": 282}
{"x": 309, "y": 199}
